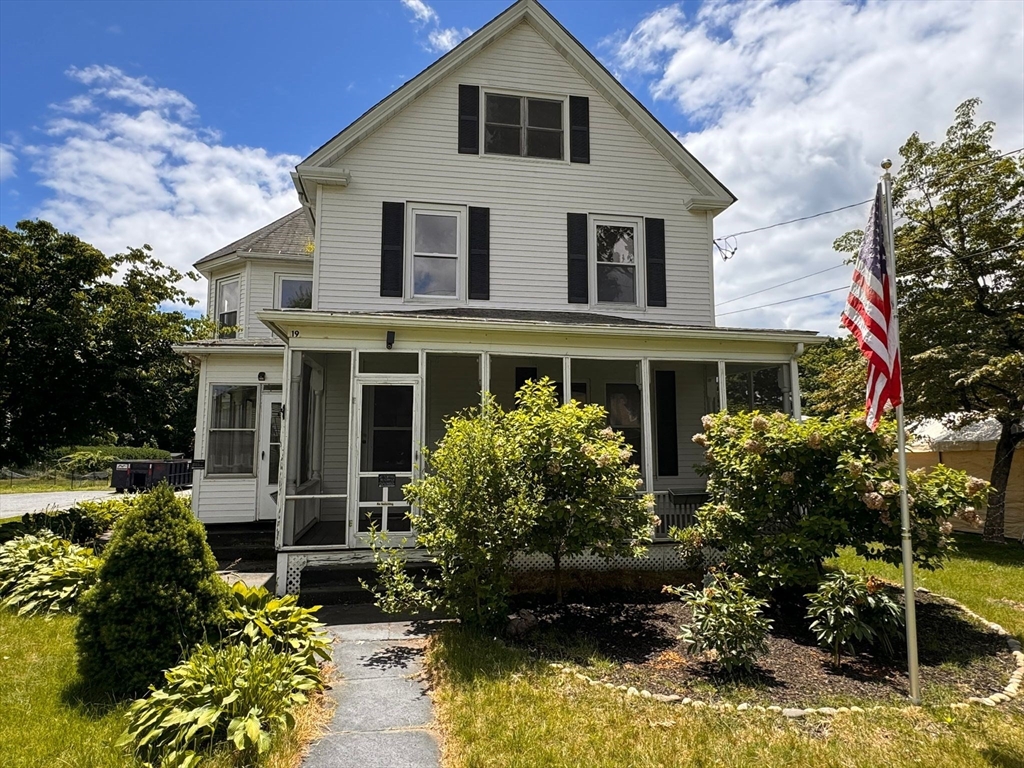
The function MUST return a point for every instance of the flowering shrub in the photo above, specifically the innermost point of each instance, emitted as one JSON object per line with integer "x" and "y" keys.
{"x": 847, "y": 608}
{"x": 727, "y": 620}
{"x": 786, "y": 495}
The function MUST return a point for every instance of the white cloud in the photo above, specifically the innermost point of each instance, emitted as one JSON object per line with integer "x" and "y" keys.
{"x": 135, "y": 168}
{"x": 422, "y": 12}
{"x": 795, "y": 104}
{"x": 439, "y": 39}
{"x": 8, "y": 162}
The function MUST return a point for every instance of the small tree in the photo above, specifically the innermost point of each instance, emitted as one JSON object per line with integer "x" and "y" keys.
{"x": 786, "y": 495}
{"x": 158, "y": 592}
{"x": 583, "y": 473}
{"x": 473, "y": 511}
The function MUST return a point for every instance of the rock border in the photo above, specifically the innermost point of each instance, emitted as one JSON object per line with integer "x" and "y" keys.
{"x": 1011, "y": 691}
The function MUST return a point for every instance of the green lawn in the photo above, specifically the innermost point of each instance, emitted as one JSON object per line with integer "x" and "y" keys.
{"x": 47, "y": 485}
{"x": 48, "y": 719}
{"x": 499, "y": 707}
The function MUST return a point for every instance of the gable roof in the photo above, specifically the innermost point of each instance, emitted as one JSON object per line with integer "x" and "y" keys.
{"x": 288, "y": 236}
{"x": 712, "y": 194}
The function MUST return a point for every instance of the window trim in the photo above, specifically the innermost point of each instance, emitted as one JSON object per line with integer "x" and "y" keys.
{"x": 461, "y": 213}
{"x": 562, "y": 98}
{"x": 255, "y": 429}
{"x": 217, "y": 285}
{"x": 640, "y": 278}
{"x": 280, "y": 277}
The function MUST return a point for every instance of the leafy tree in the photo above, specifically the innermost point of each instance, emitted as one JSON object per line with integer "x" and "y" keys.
{"x": 833, "y": 376}
{"x": 585, "y": 477}
{"x": 84, "y": 355}
{"x": 786, "y": 495}
{"x": 960, "y": 269}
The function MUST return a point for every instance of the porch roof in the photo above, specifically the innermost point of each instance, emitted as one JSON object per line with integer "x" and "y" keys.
{"x": 577, "y": 323}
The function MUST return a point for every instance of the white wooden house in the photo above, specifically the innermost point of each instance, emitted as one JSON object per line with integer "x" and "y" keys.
{"x": 511, "y": 212}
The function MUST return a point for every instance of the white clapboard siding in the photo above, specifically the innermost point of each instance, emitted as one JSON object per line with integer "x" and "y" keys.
{"x": 263, "y": 287}
{"x": 229, "y": 499}
{"x": 337, "y": 383}
{"x": 414, "y": 158}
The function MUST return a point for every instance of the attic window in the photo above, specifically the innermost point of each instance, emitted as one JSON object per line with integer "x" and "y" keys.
{"x": 523, "y": 126}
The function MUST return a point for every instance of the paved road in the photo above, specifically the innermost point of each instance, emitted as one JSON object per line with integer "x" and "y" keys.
{"x": 17, "y": 504}
{"x": 383, "y": 713}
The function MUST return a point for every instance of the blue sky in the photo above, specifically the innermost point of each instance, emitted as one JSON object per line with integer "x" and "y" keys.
{"x": 176, "y": 123}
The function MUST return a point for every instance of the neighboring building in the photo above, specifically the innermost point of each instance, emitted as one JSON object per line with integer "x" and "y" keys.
{"x": 973, "y": 450}
{"x": 512, "y": 212}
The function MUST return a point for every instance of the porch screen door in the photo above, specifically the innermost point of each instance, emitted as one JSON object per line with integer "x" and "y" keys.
{"x": 387, "y": 453}
{"x": 270, "y": 456}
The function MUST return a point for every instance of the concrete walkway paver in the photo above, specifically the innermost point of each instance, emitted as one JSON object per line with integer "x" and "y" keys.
{"x": 383, "y": 711}
{"x": 18, "y": 504}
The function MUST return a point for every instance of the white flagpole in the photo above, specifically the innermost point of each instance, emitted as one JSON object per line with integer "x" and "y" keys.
{"x": 901, "y": 442}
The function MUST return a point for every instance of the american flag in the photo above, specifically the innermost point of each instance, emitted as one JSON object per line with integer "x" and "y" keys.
{"x": 870, "y": 317}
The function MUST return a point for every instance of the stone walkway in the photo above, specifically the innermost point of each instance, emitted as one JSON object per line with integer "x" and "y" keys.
{"x": 17, "y": 504}
{"x": 383, "y": 711}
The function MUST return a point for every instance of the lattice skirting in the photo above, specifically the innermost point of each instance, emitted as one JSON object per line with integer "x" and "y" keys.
{"x": 660, "y": 557}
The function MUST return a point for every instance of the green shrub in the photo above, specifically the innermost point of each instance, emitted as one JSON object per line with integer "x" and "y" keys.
{"x": 473, "y": 513}
{"x": 727, "y": 620}
{"x": 84, "y": 461}
{"x": 848, "y": 608}
{"x": 44, "y": 574}
{"x": 584, "y": 474}
{"x": 237, "y": 694}
{"x": 81, "y": 524}
{"x": 158, "y": 591}
{"x": 110, "y": 452}
{"x": 253, "y": 615}
{"x": 786, "y": 495}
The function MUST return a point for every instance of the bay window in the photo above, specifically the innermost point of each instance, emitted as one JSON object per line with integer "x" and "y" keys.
{"x": 232, "y": 439}
{"x": 227, "y": 307}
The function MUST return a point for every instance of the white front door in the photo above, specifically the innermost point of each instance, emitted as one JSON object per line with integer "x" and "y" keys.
{"x": 387, "y": 447}
{"x": 270, "y": 456}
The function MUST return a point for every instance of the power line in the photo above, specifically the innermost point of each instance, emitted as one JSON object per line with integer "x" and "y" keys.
{"x": 846, "y": 287}
{"x": 779, "y": 285}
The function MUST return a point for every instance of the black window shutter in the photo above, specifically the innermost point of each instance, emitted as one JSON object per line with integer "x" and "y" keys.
{"x": 392, "y": 245}
{"x": 668, "y": 444}
{"x": 654, "y": 235}
{"x": 469, "y": 120}
{"x": 578, "y": 267}
{"x": 480, "y": 253}
{"x": 579, "y": 129}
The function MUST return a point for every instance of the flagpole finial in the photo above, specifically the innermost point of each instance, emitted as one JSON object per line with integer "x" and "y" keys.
{"x": 887, "y": 164}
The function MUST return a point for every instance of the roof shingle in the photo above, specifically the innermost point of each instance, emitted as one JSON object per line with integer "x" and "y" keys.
{"x": 289, "y": 235}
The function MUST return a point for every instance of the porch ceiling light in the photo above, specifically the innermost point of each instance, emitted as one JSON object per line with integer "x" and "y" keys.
{"x": 390, "y": 339}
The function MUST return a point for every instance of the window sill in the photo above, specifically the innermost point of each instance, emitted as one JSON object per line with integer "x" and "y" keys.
{"x": 527, "y": 159}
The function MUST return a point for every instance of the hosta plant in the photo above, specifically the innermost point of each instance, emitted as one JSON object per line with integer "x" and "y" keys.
{"x": 727, "y": 619}
{"x": 238, "y": 695}
{"x": 44, "y": 574}
{"x": 848, "y": 609}
{"x": 253, "y": 615}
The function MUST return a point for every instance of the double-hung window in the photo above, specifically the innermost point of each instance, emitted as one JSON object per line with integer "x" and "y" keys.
{"x": 616, "y": 249}
{"x": 437, "y": 247}
{"x": 232, "y": 439}
{"x": 227, "y": 307}
{"x": 294, "y": 292}
{"x": 523, "y": 126}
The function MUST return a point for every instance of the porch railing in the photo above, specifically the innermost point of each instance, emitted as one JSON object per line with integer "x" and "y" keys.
{"x": 676, "y": 509}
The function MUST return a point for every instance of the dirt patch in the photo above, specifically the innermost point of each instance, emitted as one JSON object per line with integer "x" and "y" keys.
{"x": 633, "y": 640}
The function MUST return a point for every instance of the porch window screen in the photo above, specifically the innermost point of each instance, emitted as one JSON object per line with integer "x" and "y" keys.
{"x": 232, "y": 439}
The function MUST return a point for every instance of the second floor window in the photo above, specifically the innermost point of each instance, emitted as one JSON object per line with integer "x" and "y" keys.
{"x": 616, "y": 251}
{"x": 294, "y": 292}
{"x": 227, "y": 308}
{"x": 523, "y": 126}
{"x": 436, "y": 246}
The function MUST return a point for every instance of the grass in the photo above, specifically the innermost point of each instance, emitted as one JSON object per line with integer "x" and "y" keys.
{"x": 499, "y": 707}
{"x": 49, "y": 718}
{"x": 47, "y": 484}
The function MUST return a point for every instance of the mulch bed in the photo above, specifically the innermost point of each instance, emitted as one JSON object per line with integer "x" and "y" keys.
{"x": 638, "y": 634}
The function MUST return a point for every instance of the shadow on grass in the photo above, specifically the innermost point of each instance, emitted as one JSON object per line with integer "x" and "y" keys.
{"x": 973, "y": 547}
{"x": 91, "y": 699}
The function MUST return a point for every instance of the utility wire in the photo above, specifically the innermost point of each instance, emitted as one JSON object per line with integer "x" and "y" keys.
{"x": 846, "y": 287}
{"x": 779, "y": 285}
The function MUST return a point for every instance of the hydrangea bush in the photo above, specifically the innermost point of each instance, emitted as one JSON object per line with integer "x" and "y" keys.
{"x": 786, "y": 495}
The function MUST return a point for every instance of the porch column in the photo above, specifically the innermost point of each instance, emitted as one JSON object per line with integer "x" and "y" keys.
{"x": 794, "y": 387}
{"x": 282, "y": 467}
{"x": 485, "y": 374}
{"x": 566, "y": 379}
{"x": 723, "y": 402}
{"x": 648, "y": 442}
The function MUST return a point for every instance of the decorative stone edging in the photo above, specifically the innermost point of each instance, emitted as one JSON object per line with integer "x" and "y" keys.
{"x": 1011, "y": 691}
